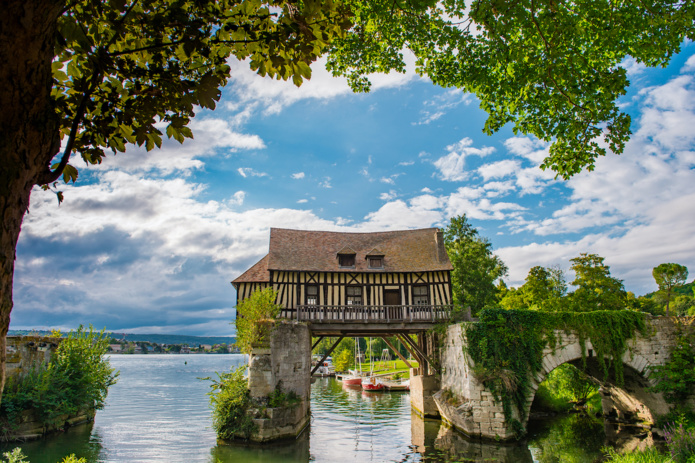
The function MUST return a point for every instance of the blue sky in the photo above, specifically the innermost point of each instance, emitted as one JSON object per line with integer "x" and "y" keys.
{"x": 148, "y": 242}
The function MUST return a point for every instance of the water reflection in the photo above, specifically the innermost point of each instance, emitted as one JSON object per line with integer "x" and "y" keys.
{"x": 159, "y": 412}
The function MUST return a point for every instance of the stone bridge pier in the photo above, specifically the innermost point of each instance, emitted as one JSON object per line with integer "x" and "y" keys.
{"x": 467, "y": 405}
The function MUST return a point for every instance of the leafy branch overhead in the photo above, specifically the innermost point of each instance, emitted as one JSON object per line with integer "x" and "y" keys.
{"x": 553, "y": 69}
{"x": 125, "y": 71}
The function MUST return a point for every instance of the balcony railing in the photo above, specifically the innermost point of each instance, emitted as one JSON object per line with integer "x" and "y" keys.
{"x": 374, "y": 313}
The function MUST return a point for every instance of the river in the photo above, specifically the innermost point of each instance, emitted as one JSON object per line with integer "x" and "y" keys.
{"x": 158, "y": 412}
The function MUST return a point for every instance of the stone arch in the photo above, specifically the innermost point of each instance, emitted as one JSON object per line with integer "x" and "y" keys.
{"x": 632, "y": 399}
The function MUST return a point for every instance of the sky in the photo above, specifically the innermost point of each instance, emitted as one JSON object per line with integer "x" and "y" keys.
{"x": 148, "y": 242}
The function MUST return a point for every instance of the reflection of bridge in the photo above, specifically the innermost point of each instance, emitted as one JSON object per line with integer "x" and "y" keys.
{"x": 470, "y": 407}
{"x": 384, "y": 321}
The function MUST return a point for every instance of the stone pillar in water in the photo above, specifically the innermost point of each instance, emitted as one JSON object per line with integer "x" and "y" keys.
{"x": 283, "y": 365}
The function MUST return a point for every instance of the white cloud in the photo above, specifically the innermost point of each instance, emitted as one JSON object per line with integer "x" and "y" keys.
{"x": 302, "y": 201}
{"x": 388, "y": 196}
{"x": 212, "y": 137}
{"x": 326, "y": 183}
{"x": 249, "y": 172}
{"x": 452, "y": 167}
{"x": 273, "y": 95}
{"x": 238, "y": 198}
{"x": 438, "y": 106}
{"x": 499, "y": 169}
{"x": 632, "y": 67}
{"x": 298, "y": 175}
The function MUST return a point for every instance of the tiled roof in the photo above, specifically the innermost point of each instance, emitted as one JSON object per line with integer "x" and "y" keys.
{"x": 258, "y": 273}
{"x": 403, "y": 251}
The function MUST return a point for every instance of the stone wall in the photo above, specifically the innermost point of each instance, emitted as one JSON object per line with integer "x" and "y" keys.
{"x": 284, "y": 363}
{"x": 467, "y": 405}
{"x": 25, "y": 351}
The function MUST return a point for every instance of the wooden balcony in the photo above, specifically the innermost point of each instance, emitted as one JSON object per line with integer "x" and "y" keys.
{"x": 371, "y": 320}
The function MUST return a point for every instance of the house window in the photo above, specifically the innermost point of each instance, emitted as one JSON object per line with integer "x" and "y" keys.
{"x": 312, "y": 295}
{"x": 376, "y": 262}
{"x": 353, "y": 295}
{"x": 346, "y": 260}
{"x": 420, "y": 296}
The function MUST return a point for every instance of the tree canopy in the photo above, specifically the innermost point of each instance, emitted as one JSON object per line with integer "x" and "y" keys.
{"x": 476, "y": 268}
{"x": 552, "y": 69}
{"x": 669, "y": 276}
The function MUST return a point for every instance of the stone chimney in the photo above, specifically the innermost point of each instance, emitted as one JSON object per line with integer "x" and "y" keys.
{"x": 441, "y": 250}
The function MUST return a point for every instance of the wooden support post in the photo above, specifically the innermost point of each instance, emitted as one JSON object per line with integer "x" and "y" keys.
{"x": 327, "y": 354}
{"x": 426, "y": 359}
{"x": 397, "y": 352}
{"x": 317, "y": 343}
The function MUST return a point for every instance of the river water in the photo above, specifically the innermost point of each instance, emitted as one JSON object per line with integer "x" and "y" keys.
{"x": 158, "y": 412}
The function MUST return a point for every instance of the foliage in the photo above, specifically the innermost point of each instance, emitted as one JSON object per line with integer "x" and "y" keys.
{"x": 506, "y": 346}
{"x": 543, "y": 290}
{"x": 668, "y": 277}
{"x": 76, "y": 379}
{"x": 344, "y": 360}
{"x": 575, "y": 438}
{"x": 552, "y": 69}
{"x": 123, "y": 70}
{"x": 562, "y": 386}
{"x": 476, "y": 268}
{"x": 230, "y": 399}
{"x": 596, "y": 288}
{"x": 281, "y": 398}
{"x": 649, "y": 455}
{"x": 676, "y": 377}
{"x": 680, "y": 442}
{"x": 252, "y": 315}
{"x": 15, "y": 456}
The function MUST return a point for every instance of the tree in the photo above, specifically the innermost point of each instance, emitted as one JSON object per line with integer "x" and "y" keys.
{"x": 552, "y": 69}
{"x": 476, "y": 268}
{"x": 543, "y": 290}
{"x": 98, "y": 75}
{"x": 668, "y": 277}
{"x": 596, "y": 288}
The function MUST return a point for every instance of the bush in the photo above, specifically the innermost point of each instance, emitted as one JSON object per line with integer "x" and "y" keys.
{"x": 650, "y": 455}
{"x": 680, "y": 442}
{"x": 230, "y": 400}
{"x": 76, "y": 379}
{"x": 259, "y": 307}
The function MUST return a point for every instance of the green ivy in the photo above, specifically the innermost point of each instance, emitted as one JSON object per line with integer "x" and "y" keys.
{"x": 506, "y": 347}
{"x": 676, "y": 378}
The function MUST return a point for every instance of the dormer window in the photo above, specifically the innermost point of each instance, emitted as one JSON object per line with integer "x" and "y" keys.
{"x": 346, "y": 260}
{"x": 375, "y": 259}
{"x": 346, "y": 257}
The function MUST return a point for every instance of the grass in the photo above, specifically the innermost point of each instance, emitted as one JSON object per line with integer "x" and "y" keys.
{"x": 389, "y": 367}
{"x": 650, "y": 455}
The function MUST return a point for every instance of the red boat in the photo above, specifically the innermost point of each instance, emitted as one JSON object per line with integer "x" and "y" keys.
{"x": 352, "y": 380}
{"x": 372, "y": 384}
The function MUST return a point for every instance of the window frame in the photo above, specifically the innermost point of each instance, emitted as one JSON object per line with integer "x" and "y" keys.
{"x": 307, "y": 295}
{"x": 380, "y": 259}
{"x": 348, "y": 296}
{"x": 426, "y": 295}
{"x": 350, "y": 257}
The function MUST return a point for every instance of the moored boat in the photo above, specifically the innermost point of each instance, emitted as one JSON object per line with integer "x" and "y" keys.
{"x": 372, "y": 384}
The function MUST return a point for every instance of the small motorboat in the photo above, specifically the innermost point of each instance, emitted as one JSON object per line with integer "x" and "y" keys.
{"x": 372, "y": 384}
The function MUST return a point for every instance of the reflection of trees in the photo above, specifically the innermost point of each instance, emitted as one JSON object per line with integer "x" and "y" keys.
{"x": 452, "y": 446}
{"x": 286, "y": 452}
{"x": 77, "y": 439}
{"x": 574, "y": 438}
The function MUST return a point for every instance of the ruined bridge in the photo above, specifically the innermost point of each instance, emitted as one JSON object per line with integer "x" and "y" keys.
{"x": 449, "y": 390}
{"x": 467, "y": 405}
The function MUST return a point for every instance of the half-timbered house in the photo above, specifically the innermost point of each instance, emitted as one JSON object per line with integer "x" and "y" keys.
{"x": 393, "y": 275}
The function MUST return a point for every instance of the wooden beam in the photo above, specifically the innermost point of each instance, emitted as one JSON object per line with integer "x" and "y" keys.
{"x": 420, "y": 352}
{"x": 397, "y": 352}
{"x": 327, "y": 354}
{"x": 317, "y": 343}
{"x": 407, "y": 346}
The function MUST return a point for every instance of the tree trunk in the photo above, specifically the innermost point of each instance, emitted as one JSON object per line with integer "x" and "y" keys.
{"x": 29, "y": 136}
